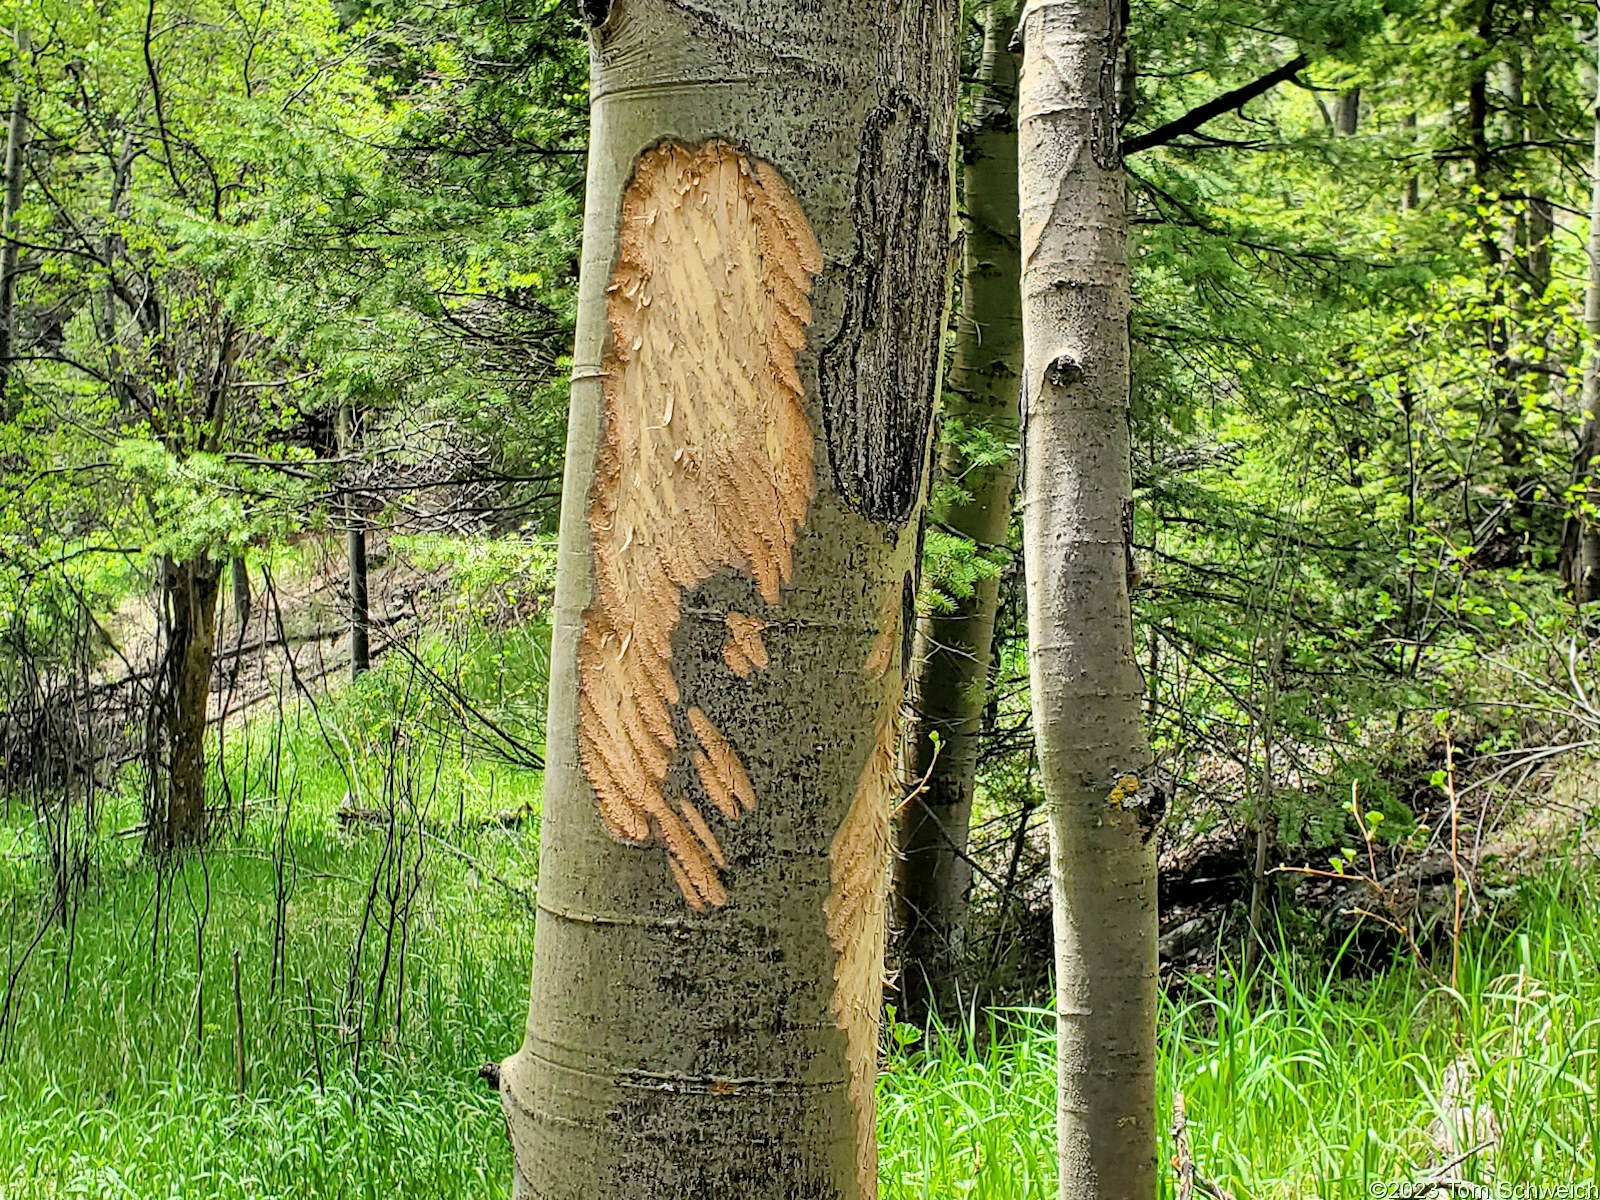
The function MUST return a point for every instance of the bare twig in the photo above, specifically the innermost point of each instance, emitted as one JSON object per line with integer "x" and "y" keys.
{"x": 1184, "y": 1158}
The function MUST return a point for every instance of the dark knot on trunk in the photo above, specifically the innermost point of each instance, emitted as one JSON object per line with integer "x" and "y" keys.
{"x": 1064, "y": 371}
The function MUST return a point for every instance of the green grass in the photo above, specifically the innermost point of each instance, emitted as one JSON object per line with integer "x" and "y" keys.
{"x": 1303, "y": 1085}
{"x": 120, "y": 1076}
{"x": 113, "y": 1085}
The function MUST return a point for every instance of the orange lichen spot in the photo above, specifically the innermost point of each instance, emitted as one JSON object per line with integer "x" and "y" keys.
{"x": 857, "y": 915}
{"x": 1125, "y": 789}
{"x": 705, "y": 464}
{"x": 724, "y": 1087}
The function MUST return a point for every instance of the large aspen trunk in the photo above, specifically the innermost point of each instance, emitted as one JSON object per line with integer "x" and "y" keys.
{"x": 1581, "y": 544}
{"x": 764, "y": 274}
{"x": 953, "y": 649}
{"x": 1077, "y": 522}
{"x": 176, "y": 765}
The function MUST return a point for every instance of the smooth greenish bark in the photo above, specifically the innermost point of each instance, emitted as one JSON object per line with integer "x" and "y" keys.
{"x": 953, "y": 649}
{"x": 1077, "y": 526}
{"x": 690, "y": 1029}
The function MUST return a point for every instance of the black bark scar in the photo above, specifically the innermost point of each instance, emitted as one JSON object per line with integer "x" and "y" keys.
{"x": 908, "y": 617}
{"x": 878, "y": 371}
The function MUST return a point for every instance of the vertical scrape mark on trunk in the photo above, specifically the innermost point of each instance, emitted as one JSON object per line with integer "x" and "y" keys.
{"x": 705, "y": 465}
{"x": 882, "y": 653}
{"x": 857, "y": 912}
{"x": 857, "y": 908}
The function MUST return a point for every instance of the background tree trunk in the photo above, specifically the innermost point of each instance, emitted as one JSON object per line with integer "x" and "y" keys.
{"x": 1347, "y": 116}
{"x": 241, "y": 591}
{"x": 765, "y": 270}
{"x": 1411, "y": 196}
{"x": 360, "y": 624}
{"x": 1511, "y": 434}
{"x": 953, "y": 649}
{"x": 177, "y": 776}
{"x": 355, "y": 562}
{"x": 16, "y": 149}
{"x": 1582, "y": 541}
{"x": 1077, "y": 522}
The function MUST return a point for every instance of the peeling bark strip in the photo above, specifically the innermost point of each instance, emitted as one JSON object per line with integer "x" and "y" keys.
{"x": 857, "y": 911}
{"x": 744, "y": 651}
{"x": 706, "y": 465}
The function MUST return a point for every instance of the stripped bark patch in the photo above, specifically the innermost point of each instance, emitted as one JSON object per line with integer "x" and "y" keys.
{"x": 857, "y": 915}
{"x": 744, "y": 651}
{"x": 705, "y": 465}
{"x": 720, "y": 770}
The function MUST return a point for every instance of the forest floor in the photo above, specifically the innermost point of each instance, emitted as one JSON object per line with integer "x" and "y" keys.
{"x": 371, "y": 891}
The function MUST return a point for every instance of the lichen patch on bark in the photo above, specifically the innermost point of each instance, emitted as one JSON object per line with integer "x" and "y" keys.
{"x": 1126, "y": 787}
{"x": 705, "y": 465}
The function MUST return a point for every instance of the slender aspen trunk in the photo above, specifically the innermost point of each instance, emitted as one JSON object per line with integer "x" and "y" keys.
{"x": 16, "y": 148}
{"x": 764, "y": 276}
{"x": 111, "y": 247}
{"x": 1582, "y": 542}
{"x": 1077, "y": 509}
{"x": 953, "y": 649}
{"x": 1535, "y": 228}
{"x": 177, "y": 770}
{"x": 1541, "y": 229}
{"x": 1509, "y": 425}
